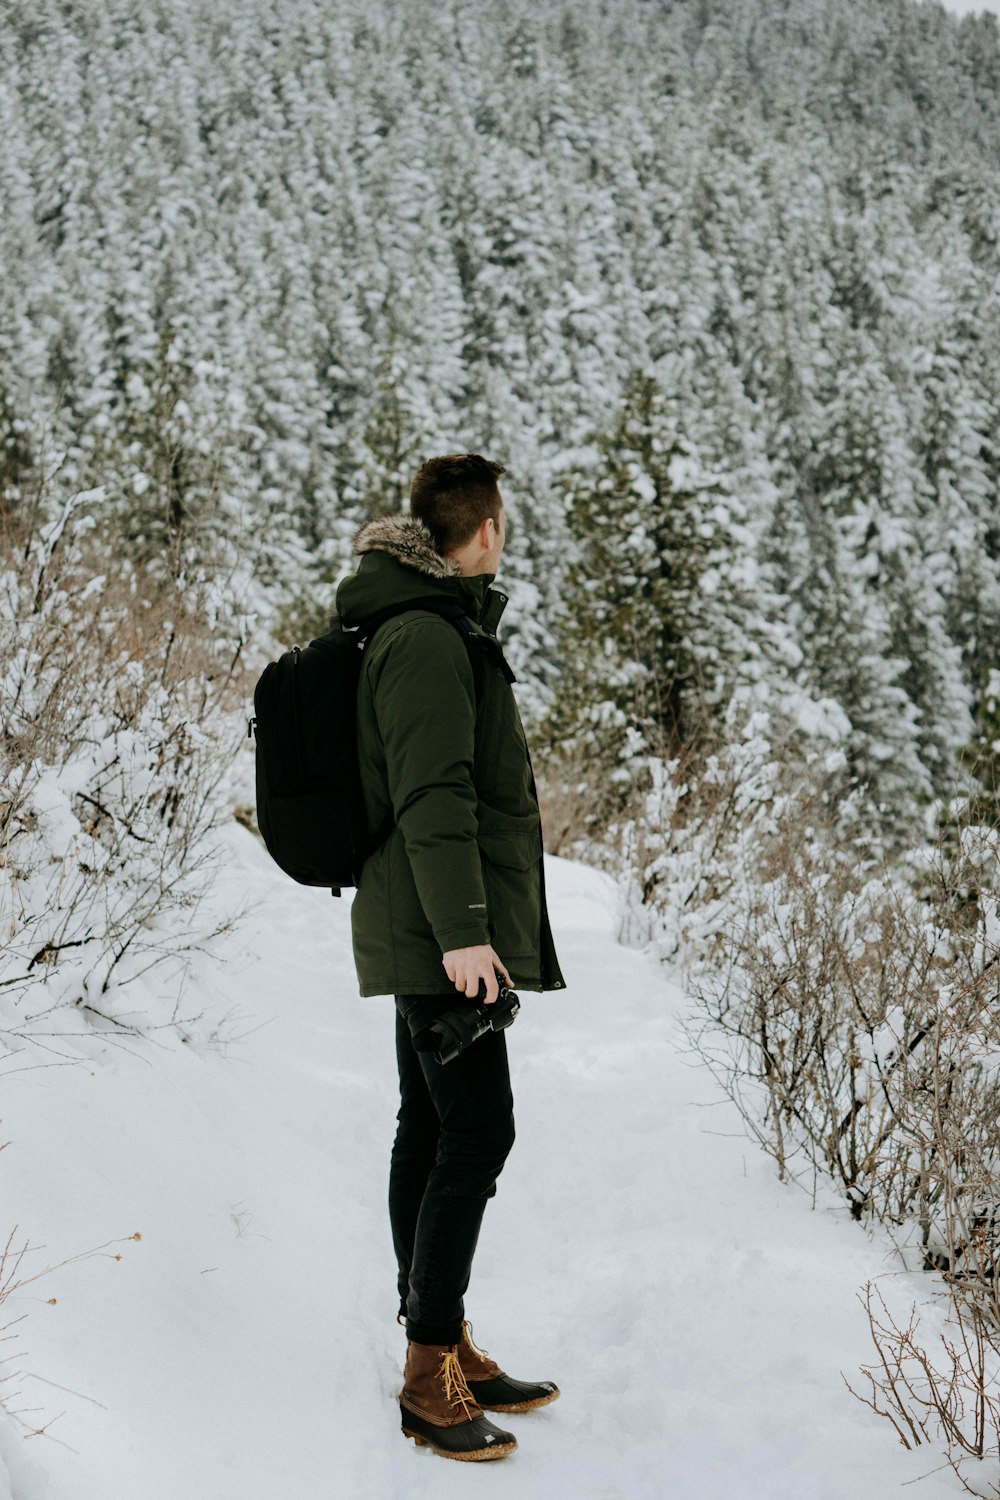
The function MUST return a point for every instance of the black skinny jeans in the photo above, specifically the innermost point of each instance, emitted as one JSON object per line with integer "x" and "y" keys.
{"x": 456, "y": 1128}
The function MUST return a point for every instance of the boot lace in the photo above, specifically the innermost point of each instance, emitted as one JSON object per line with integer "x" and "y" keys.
{"x": 455, "y": 1388}
{"x": 483, "y": 1354}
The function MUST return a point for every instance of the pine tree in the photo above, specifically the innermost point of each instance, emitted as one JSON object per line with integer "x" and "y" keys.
{"x": 982, "y": 755}
{"x": 638, "y": 520}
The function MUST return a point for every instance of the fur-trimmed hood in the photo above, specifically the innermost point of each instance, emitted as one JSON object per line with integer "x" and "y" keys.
{"x": 409, "y": 540}
{"x": 399, "y": 564}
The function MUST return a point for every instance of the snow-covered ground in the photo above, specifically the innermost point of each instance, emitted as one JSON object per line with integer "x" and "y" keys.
{"x": 640, "y": 1250}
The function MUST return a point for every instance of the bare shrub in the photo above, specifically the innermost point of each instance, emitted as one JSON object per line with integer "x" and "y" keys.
{"x": 855, "y": 1025}
{"x": 14, "y": 1277}
{"x": 943, "y": 1395}
{"x": 852, "y": 1014}
{"x": 121, "y": 698}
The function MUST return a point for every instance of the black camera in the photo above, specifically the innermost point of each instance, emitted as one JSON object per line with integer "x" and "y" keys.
{"x": 450, "y": 1033}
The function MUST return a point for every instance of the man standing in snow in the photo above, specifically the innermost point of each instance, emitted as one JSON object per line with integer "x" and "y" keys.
{"x": 455, "y": 894}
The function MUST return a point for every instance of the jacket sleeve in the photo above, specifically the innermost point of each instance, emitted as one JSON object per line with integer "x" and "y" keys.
{"x": 425, "y": 706}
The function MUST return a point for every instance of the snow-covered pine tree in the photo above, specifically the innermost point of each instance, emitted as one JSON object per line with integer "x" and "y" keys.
{"x": 982, "y": 756}
{"x": 646, "y": 524}
{"x": 303, "y": 200}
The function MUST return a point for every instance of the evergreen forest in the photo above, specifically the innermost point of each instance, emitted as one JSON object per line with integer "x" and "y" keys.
{"x": 717, "y": 280}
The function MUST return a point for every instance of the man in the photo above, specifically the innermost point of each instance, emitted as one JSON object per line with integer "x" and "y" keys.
{"x": 453, "y": 897}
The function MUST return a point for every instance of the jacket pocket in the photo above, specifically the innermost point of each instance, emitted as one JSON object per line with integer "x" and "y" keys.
{"x": 510, "y": 845}
{"x": 510, "y": 839}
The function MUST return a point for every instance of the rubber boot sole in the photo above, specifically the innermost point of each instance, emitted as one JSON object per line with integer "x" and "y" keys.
{"x": 476, "y": 1440}
{"x": 476, "y": 1455}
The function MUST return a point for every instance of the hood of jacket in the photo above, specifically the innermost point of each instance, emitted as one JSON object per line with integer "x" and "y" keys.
{"x": 398, "y": 563}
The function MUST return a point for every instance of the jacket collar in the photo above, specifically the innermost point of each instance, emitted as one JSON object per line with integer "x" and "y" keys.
{"x": 411, "y": 543}
{"x": 408, "y": 540}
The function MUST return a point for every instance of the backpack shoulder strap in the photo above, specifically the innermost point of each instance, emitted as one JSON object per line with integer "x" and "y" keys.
{"x": 448, "y": 610}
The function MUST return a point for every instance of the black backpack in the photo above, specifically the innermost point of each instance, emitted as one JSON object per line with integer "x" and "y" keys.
{"x": 309, "y": 804}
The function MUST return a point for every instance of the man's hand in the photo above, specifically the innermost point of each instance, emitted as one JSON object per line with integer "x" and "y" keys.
{"x": 465, "y": 967}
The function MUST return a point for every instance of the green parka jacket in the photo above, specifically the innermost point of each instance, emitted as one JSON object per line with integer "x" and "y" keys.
{"x": 463, "y": 863}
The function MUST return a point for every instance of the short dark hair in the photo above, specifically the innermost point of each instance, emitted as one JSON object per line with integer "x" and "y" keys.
{"x": 453, "y": 495}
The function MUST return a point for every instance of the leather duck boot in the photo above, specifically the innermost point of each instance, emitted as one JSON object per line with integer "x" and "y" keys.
{"x": 438, "y": 1409}
{"x": 493, "y": 1389}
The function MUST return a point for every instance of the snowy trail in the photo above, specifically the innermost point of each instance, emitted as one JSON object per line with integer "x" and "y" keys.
{"x": 640, "y": 1250}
